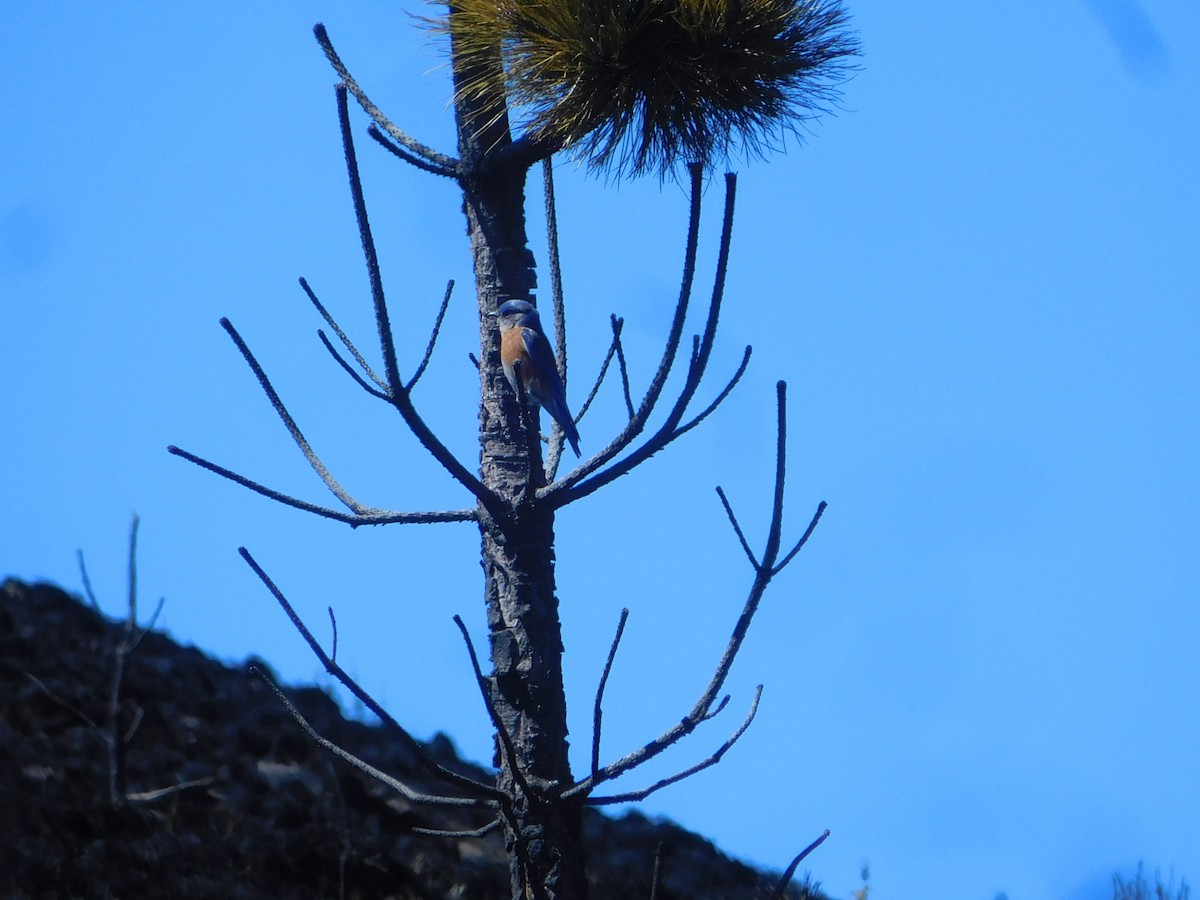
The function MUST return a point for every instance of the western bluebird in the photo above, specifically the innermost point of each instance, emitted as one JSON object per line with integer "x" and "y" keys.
{"x": 522, "y": 341}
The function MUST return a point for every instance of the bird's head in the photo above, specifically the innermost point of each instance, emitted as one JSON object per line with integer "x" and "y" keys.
{"x": 514, "y": 313}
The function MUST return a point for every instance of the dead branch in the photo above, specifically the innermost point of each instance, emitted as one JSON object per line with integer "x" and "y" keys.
{"x": 433, "y": 336}
{"x": 474, "y": 833}
{"x": 400, "y": 153}
{"x": 368, "y": 516}
{"x": 790, "y": 871}
{"x": 433, "y": 161}
{"x": 408, "y": 793}
{"x": 597, "y": 708}
{"x": 764, "y": 572}
{"x": 711, "y": 760}
{"x": 592, "y": 474}
{"x": 477, "y": 788}
{"x": 380, "y": 384}
{"x": 398, "y": 394}
{"x": 514, "y": 761}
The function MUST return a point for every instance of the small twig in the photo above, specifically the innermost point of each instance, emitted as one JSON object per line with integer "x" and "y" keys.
{"x": 711, "y": 760}
{"x": 333, "y": 628}
{"x": 362, "y": 382}
{"x": 343, "y": 828}
{"x": 711, "y": 408}
{"x": 597, "y": 711}
{"x": 409, "y": 794}
{"x": 288, "y": 422}
{"x": 159, "y": 793}
{"x": 445, "y": 164}
{"x": 87, "y": 582}
{"x": 502, "y": 732}
{"x": 622, "y": 367}
{"x": 553, "y": 259}
{"x": 803, "y": 538}
{"x": 411, "y": 158}
{"x": 474, "y": 833}
{"x": 654, "y": 878}
{"x": 608, "y": 357}
{"x": 346, "y": 342}
{"x": 716, "y": 710}
{"x": 736, "y": 527}
{"x": 62, "y": 701}
{"x": 437, "y": 327}
{"x": 790, "y": 871}
{"x": 468, "y": 784}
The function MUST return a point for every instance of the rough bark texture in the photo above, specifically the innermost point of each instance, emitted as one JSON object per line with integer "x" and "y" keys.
{"x": 545, "y": 839}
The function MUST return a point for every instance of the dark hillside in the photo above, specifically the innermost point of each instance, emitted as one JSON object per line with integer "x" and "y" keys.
{"x": 229, "y": 798}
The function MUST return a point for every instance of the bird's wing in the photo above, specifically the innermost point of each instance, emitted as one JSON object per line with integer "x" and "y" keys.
{"x": 543, "y": 362}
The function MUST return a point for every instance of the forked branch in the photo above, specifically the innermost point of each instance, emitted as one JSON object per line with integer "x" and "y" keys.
{"x": 431, "y": 160}
{"x": 594, "y": 474}
{"x": 398, "y": 393}
{"x": 476, "y": 788}
{"x": 408, "y": 793}
{"x": 704, "y": 708}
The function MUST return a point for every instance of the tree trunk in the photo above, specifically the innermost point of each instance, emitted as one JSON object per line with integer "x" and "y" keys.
{"x": 544, "y": 839}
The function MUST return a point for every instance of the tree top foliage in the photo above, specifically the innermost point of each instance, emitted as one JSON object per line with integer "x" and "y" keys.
{"x": 632, "y": 87}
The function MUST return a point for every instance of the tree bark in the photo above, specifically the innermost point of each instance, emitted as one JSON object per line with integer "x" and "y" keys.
{"x": 544, "y": 838}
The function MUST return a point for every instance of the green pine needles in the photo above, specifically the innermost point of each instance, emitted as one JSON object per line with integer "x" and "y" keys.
{"x": 639, "y": 86}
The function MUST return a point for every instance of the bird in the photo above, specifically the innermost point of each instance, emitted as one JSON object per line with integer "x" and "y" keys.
{"x": 523, "y": 341}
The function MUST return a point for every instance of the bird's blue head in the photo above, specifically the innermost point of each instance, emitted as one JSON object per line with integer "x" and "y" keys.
{"x": 515, "y": 313}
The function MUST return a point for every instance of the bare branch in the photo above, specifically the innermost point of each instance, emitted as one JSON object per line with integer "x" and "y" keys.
{"x": 368, "y": 515}
{"x": 61, "y": 701}
{"x": 736, "y": 527}
{"x": 711, "y": 760}
{"x": 638, "y": 422}
{"x": 737, "y": 376}
{"x": 514, "y": 761}
{"x": 803, "y": 539}
{"x": 597, "y": 711}
{"x": 158, "y": 794}
{"x": 433, "y": 336}
{"x": 382, "y": 321}
{"x": 333, "y": 629}
{"x": 557, "y": 435}
{"x": 289, "y": 423}
{"x": 405, "y": 156}
{"x": 613, "y": 350}
{"x": 764, "y": 572}
{"x": 409, "y": 794}
{"x": 337, "y": 329}
{"x": 362, "y": 382}
{"x": 618, "y": 324}
{"x": 445, "y": 165}
{"x": 468, "y": 784}
{"x": 574, "y": 486}
{"x": 553, "y": 259}
{"x": 395, "y": 386}
{"x": 476, "y": 833}
{"x": 87, "y": 582}
{"x": 790, "y": 871}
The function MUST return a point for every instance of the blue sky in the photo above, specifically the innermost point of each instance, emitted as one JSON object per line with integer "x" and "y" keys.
{"x": 979, "y": 280}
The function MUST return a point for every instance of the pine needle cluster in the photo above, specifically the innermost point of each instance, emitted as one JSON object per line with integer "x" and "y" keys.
{"x": 637, "y": 86}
